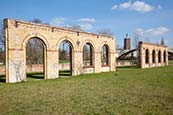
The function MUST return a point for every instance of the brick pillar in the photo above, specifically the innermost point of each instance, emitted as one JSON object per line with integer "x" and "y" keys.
{"x": 112, "y": 61}
{"x": 52, "y": 64}
{"x": 15, "y": 65}
{"x": 78, "y": 63}
{"x": 166, "y": 58}
{"x": 150, "y": 57}
{"x": 141, "y": 57}
{"x": 162, "y": 58}
{"x": 156, "y": 57}
{"x": 97, "y": 62}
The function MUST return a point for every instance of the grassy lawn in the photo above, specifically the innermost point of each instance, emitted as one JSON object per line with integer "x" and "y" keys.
{"x": 64, "y": 61}
{"x": 170, "y": 62}
{"x": 129, "y": 91}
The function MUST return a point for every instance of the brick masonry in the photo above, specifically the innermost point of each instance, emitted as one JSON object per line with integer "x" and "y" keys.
{"x": 150, "y": 47}
{"x": 17, "y": 33}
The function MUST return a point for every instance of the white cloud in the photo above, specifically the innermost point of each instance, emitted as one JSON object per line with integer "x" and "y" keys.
{"x": 86, "y": 26}
{"x": 138, "y": 6}
{"x": 139, "y": 32}
{"x": 151, "y": 32}
{"x": 90, "y": 20}
{"x": 84, "y": 23}
{"x": 141, "y": 6}
{"x": 157, "y": 31}
{"x": 125, "y": 5}
{"x": 114, "y": 7}
{"x": 57, "y": 21}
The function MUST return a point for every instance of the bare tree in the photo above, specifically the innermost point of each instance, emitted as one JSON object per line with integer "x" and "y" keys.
{"x": 86, "y": 52}
{"x": 118, "y": 46}
{"x": 63, "y": 54}
{"x": 64, "y": 51}
{"x": 75, "y": 27}
{"x": 105, "y": 32}
{"x": 2, "y": 44}
{"x": 136, "y": 39}
{"x": 36, "y": 20}
{"x": 39, "y": 21}
{"x": 2, "y": 39}
{"x": 34, "y": 51}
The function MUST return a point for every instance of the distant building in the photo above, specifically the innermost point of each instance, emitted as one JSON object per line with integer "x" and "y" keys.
{"x": 126, "y": 48}
{"x": 127, "y": 43}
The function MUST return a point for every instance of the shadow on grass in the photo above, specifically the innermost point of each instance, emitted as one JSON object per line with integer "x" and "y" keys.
{"x": 128, "y": 67}
{"x": 64, "y": 73}
{"x": 170, "y": 62}
{"x": 37, "y": 75}
{"x": 2, "y": 78}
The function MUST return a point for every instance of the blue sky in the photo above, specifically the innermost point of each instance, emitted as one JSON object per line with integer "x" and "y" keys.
{"x": 149, "y": 19}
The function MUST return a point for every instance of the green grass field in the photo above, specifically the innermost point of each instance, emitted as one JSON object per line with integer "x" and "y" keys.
{"x": 129, "y": 91}
{"x": 170, "y": 62}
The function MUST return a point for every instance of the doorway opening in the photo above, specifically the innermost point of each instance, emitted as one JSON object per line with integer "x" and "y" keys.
{"x": 35, "y": 59}
{"x": 65, "y": 59}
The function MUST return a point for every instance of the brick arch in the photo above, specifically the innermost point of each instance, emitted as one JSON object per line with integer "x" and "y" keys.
{"x": 159, "y": 55}
{"x": 147, "y": 53}
{"x": 88, "y": 41}
{"x": 72, "y": 49}
{"x": 108, "y": 51}
{"x": 45, "y": 45}
{"x": 153, "y": 56}
{"x": 65, "y": 38}
{"x": 34, "y": 35}
{"x": 92, "y": 58}
{"x": 104, "y": 43}
{"x": 164, "y": 56}
{"x": 51, "y": 37}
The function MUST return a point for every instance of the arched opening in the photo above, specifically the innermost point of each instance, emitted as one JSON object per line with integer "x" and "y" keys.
{"x": 35, "y": 58}
{"x": 88, "y": 55}
{"x": 164, "y": 56}
{"x": 153, "y": 56}
{"x": 146, "y": 56}
{"x": 2, "y": 65}
{"x": 159, "y": 56}
{"x": 65, "y": 58}
{"x": 105, "y": 55}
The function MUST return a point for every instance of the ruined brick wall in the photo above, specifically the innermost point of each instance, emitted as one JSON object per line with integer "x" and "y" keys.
{"x": 17, "y": 33}
{"x": 149, "y": 55}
